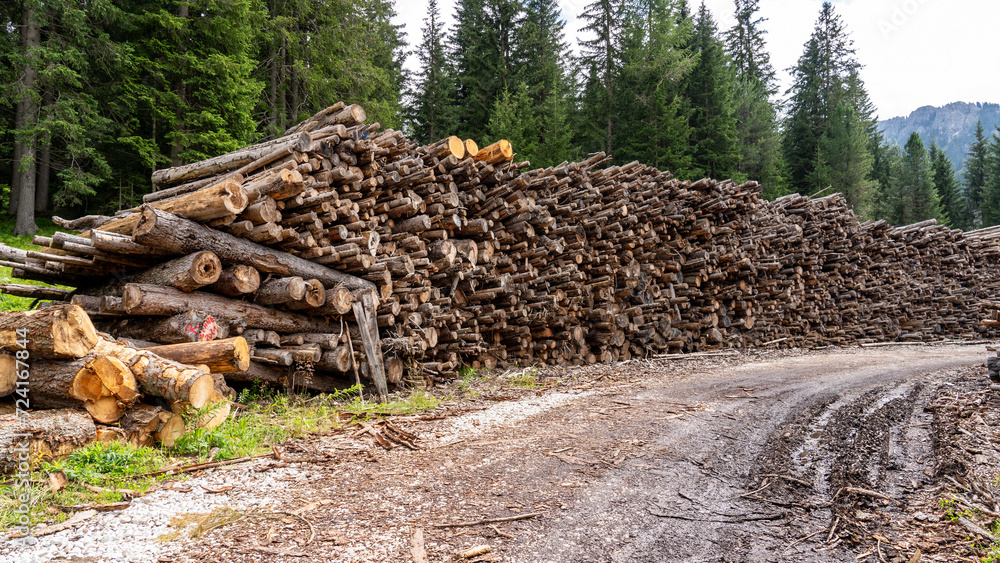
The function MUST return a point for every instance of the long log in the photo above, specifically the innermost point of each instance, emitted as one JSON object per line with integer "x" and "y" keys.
{"x": 175, "y": 234}
{"x": 158, "y": 300}
{"x": 60, "y": 331}
{"x": 221, "y": 356}
{"x": 50, "y": 433}
{"x": 224, "y": 198}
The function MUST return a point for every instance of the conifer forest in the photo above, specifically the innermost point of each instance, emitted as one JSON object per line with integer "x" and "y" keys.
{"x": 98, "y": 95}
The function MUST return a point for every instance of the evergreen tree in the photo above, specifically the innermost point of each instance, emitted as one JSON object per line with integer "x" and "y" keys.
{"x": 975, "y": 175}
{"x": 747, "y": 48}
{"x": 483, "y": 42}
{"x": 757, "y": 130}
{"x": 542, "y": 54}
{"x": 953, "y": 205}
{"x": 647, "y": 93}
{"x": 709, "y": 90}
{"x": 990, "y": 207}
{"x": 433, "y": 102}
{"x": 843, "y": 161}
{"x": 600, "y": 59}
{"x": 513, "y": 119}
{"x": 914, "y": 197}
{"x": 826, "y": 74}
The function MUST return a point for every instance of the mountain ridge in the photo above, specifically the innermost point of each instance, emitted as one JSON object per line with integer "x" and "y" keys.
{"x": 952, "y": 126}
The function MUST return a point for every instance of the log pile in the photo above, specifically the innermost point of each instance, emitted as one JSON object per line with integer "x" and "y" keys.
{"x": 341, "y": 249}
{"x": 54, "y": 359}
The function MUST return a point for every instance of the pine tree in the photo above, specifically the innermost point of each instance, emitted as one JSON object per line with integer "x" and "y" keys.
{"x": 991, "y": 185}
{"x": 600, "y": 59}
{"x": 513, "y": 119}
{"x": 843, "y": 162}
{"x": 647, "y": 93}
{"x": 433, "y": 102}
{"x": 541, "y": 54}
{"x": 915, "y": 197}
{"x": 709, "y": 90}
{"x": 483, "y": 42}
{"x": 757, "y": 129}
{"x": 826, "y": 74}
{"x": 953, "y": 205}
{"x": 975, "y": 175}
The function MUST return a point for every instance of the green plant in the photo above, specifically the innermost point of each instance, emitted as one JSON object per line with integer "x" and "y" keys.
{"x": 526, "y": 378}
{"x": 417, "y": 401}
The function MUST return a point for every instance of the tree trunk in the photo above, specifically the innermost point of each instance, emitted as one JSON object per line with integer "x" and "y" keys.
{"x": 174, "y": 234}
{"x": 189, "y": 326}
{"x": 27, "y": 120}
{"x": 61, "y": 331}
{"x": 144, "y": 299}
{"x": 44, "y": 164}
{"x": 52, "y": 433}
{"x": 221, "y": 356}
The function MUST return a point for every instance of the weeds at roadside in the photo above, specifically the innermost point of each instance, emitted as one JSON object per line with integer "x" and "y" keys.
{"x": 115, "y": 472}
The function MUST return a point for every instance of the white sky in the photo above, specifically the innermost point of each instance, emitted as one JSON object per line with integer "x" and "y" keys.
{"x": 915, "y": 52}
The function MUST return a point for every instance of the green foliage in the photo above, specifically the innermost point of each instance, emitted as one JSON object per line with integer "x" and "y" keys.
{"x": 954, "y": 206}
{"x": 709, "y": 91}
{"x": 843, "y": 161}
{"x": 432, "y": 111}
{"x": 526, "y": 378}
{"x": 911, "y": 196}
{"x": 826, "y": 75}
{"x": 990, "y": 209}
{"x": 975, "y": 172}
{"x": 100, "y": 461}
{"x": 417, "y": 401}
{"x": 513, "y": 119}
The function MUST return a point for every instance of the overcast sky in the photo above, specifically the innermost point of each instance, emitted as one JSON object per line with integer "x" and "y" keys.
{"x": 915, "y": 52}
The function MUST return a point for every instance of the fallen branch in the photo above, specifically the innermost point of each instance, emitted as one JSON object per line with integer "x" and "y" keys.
{"x": 490, "y": 520}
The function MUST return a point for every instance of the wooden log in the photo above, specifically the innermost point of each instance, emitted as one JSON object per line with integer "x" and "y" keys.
{"x": 281, "y": 290}
{"x": 186, "y": 273}
{"x": 229, "y": 161}
{"x": 237, "y": 280}
{"x": 498, "y": 152}
{"x": 225, "y": 198}
{"x": 62, "y": 331}
{"x": 36, "y": 292}
{"x": 189, "y": 326}
{"x": 221, "y": 356}
{"x": 157, "y": 300}
{"x": 42, "y": 434}
{"x": 159, "y": 376}
{"x": 174, "y": 234}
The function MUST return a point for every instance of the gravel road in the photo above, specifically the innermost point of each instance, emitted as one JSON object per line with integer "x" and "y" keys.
{"x": 760, "y": 457}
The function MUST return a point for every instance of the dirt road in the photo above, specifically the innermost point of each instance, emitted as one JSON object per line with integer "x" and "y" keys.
{"x": 765, "y": 458}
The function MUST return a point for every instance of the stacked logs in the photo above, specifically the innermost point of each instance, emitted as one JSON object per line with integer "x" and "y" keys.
{"x": 340, "y": 249}
{"x": 54, "y": 359}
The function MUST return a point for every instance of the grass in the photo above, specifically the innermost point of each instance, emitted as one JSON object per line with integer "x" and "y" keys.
{"x": 261, "y": 418}
{"x": 526, "y": 378}
{"x": 46, "y": 228}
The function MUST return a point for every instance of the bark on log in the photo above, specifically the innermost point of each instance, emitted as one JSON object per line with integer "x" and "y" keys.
{"x": 178, "y": 235}
{"x": 225, "y": 198}
{"x": 158, "y": 300}
{"x": 221, "y": 356}
{"x": 61, "y": 331}
{"x": 48, "y": 434}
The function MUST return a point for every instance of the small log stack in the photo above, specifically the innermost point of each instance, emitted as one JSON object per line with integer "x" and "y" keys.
{"x": 449, "y": 254}
{"x": 56, "y": 361}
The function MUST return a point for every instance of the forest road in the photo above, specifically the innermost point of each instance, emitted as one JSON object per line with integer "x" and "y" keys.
{"x": 766, "y": 457}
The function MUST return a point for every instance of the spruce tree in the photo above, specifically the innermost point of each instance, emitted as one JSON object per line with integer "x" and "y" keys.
{"x": 600, "y": 59}
{"x": 826, "y": 74}
{"x": 843, "y": 162}
{"x": 651, "y": 123}
{"x": 757, "y": 129}
{"x": 709, "y": 90}
{"x": 917, "y": 200}
{"x": 541, "y": 55}
{"x": 953, "y": 205}
{"x": 433, "y": 107}
{"x": 975, "y": 175}
{"x": 513, "y": 118}
{"x": 991, "y": 183}
{"x": 483, "y": 42}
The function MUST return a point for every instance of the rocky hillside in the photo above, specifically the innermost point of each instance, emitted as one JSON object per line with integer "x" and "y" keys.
{"x": 953, "y": 126}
